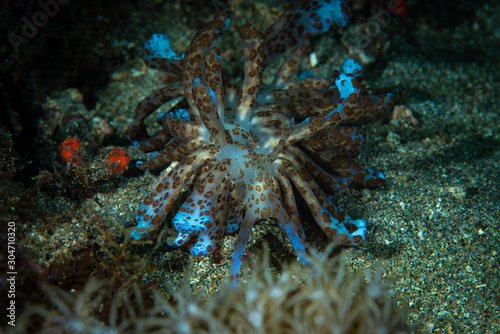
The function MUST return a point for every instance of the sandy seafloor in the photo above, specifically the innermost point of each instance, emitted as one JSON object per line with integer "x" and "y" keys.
{"x": 434, "y": 226}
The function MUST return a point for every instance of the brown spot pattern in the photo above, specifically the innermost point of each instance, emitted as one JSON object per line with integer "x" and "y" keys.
{"x": 254, "y": 166}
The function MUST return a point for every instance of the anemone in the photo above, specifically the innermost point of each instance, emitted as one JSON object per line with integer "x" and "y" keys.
{"x": 245, "y": 153}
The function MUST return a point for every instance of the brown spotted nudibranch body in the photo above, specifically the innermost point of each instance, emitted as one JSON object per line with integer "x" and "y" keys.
{"x": 247, "y": 152}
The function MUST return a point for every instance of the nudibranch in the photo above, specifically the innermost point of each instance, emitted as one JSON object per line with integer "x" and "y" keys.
{"x": 246, "y": 152}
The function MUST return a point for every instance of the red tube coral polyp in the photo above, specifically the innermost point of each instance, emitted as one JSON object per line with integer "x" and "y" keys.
{"x": 71, "y": 151}
{"x": 118, "y": 161}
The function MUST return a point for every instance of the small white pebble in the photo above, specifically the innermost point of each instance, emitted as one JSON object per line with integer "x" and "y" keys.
{"x": 313, "y": 59}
